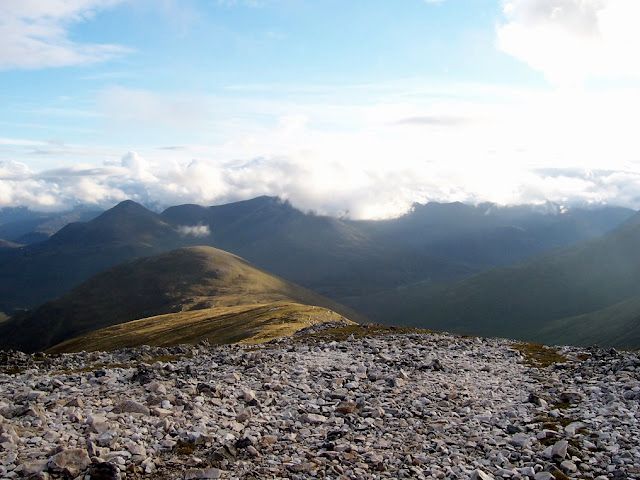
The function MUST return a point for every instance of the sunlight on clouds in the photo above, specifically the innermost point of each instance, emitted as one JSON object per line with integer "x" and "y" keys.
{"x": 468, "y": 143}
{"x": 573, "y": 40}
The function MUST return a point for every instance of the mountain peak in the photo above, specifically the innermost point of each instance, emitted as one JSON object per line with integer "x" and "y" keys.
{"x": 125, "y": 209}
{"x": 183, "y": 280}
{"x": 261, "y": 201}
{"x": 128, "y": 206}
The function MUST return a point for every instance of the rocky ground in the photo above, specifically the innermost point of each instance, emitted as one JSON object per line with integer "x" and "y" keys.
{"x": 343, "y": 404}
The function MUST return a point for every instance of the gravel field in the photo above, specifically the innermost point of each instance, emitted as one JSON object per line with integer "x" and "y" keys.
{"x": 390, "y": 405}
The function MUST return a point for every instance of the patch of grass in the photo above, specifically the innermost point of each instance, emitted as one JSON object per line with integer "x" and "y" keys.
{"x": 558, "y": 475}
{"x": 564, "y": 421}
{"x": 182, "y": 296}
{"x": 13, "y": 370}
{"x": 184, "y": 448}
{"x": 539, "y": 356}
{"x": 555, "y": 424}
{"x": 561, "y": 405}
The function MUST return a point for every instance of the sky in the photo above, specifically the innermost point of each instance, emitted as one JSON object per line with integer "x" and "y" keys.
{"x": 344, "y": 107}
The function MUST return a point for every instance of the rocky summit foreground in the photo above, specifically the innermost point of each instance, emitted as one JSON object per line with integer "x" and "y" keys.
{"x": 351, "y": 403}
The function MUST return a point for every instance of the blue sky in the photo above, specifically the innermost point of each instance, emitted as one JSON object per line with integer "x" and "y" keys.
{"x": 342, "y": 106}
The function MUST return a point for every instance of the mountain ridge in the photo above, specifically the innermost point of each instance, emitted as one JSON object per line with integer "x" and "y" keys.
{"x": 183, "y": 280}
{"x": 356, "y": 263}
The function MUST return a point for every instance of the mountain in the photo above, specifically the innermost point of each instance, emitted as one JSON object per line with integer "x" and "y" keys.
{"x": 585, "y": 294}
{"x": 615, "y": 326}
{"x": 7, "y": 244}
{"x": 335, "y": 257}
{"x": 191, "y": 294}
{"x": 36, "y": 273}
{"x": 353, "y": 262}
{"x": 488, "y": 235}
{"x": 25, "y": 226}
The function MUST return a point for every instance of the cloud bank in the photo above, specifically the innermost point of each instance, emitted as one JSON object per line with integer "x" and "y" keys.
{"x": 373, "y": 195}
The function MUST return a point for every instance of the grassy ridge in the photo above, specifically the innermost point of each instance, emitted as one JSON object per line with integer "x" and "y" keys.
{"x": 184, "y": 280}
{"x": 241, "y": 323}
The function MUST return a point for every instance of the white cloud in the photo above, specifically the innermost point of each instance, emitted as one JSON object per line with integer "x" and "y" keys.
{"x": 35, "y": 33}
{"x": 368, "y": 151}
{"x": 196, "y": 231}
{"x": 573, "y": 40}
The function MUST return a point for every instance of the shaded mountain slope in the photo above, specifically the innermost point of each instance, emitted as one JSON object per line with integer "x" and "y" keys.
{"x": 25, "y": 226}
{"x": 615, "y": 326}
{"x": 36, "y": 273}
{"x": 522, "y": 301}
{"x": 487, "y": 235}
{"x": 195, "y": 278}
{"x": 352, "y": 262}
{"x": 7, "y": 244}
{"x": 335, "y": 257}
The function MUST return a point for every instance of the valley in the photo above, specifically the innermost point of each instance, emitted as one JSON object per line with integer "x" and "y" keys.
{"x": 454, "y": 267}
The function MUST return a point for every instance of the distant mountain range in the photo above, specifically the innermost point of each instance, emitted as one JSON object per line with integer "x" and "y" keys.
{"x": 410, "y": 270}
{"x": 343, "y": 259}
{"x": 24, "y": 226}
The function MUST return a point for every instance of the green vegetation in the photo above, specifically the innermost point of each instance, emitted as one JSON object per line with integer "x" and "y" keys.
{"x": 249, "y": 324}
{"x": 414, "y": 270}
{"x": 184, "y": 448}
{"x": 558, "y": 474}
{"x": 200, "y": 288}
{"x": 539, "y": 356}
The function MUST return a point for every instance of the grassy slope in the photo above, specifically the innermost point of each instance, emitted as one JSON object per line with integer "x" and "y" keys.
{"x": 617, "y": 325}
{"x": 241, "y": 323}
{"x": 521, "y": 301}
{"x": 192, "y": 278}
{"x": 37, "y": 273}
